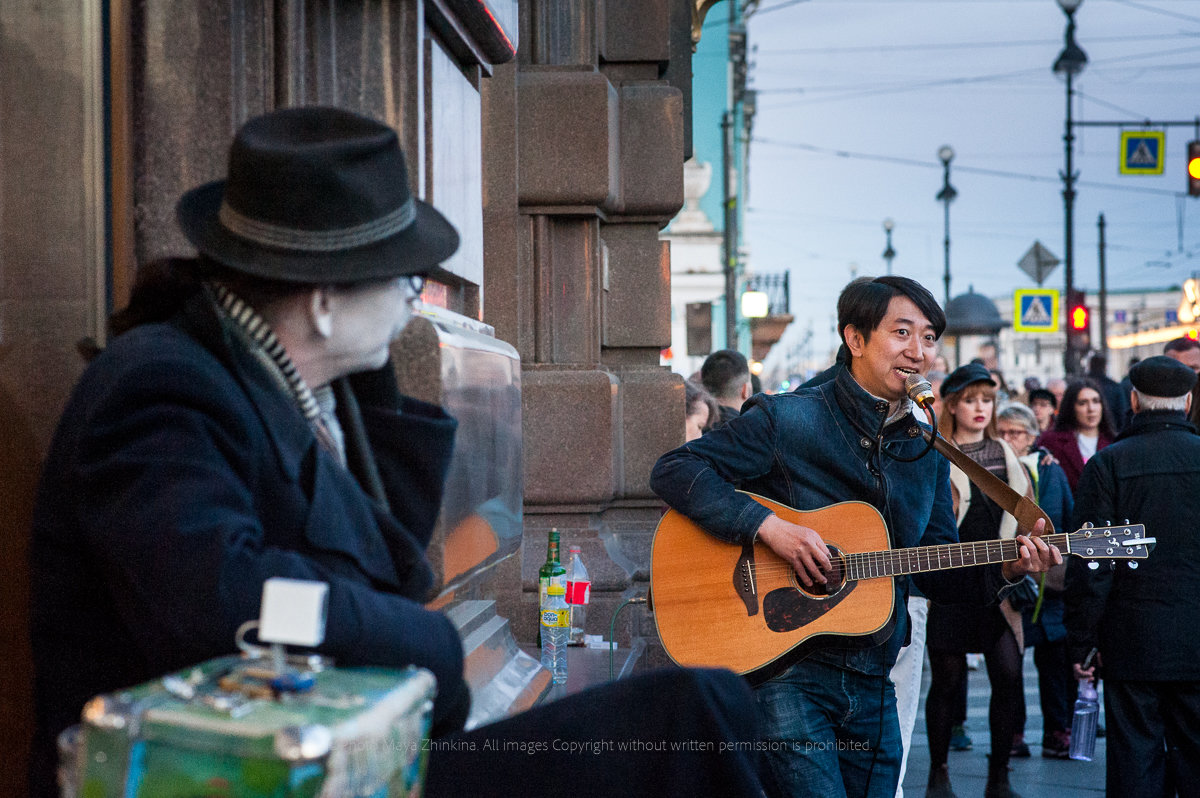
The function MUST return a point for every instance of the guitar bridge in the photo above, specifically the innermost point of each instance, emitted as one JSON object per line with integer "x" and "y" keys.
{"x": 745, "y": 581}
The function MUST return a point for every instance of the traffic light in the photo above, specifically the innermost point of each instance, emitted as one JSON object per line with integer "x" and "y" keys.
{"x": 1193, "y": 168}
{"x": 1078, "y": 321}
{"x": 1079, "y": 318}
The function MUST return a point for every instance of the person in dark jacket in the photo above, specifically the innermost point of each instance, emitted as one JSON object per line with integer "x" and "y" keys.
{"x": 246, "y": 424}
{"x": 1084, "y": 425}
{"x": 851, "y": 438}
{"x": 1142, "y": 621}
{"x": 1187, "y": 351}
{"x": 201, "y": 454}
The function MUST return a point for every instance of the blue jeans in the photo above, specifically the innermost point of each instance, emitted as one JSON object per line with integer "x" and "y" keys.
{"x": 831, "y": 732}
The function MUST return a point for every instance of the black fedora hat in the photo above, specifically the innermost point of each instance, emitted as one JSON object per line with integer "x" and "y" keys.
{"x": 316, "y": 195}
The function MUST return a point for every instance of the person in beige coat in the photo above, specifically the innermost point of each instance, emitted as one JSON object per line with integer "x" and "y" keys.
{"x": 968, "y": 420}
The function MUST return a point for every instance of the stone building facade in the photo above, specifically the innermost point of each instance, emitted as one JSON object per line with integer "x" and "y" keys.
{"x": 552, "y": 132}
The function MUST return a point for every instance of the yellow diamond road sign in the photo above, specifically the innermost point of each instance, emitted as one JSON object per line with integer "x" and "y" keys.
{"x": 1035, "y": 310}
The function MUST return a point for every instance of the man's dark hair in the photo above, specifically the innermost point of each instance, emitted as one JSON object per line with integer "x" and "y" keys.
{"x": 1042, "y": 393}
{"x": 724, "y": 372}
{"x": 864, "y": 303}
{"x": 1097, "y": 366}
{"x": 1181, "y": 344}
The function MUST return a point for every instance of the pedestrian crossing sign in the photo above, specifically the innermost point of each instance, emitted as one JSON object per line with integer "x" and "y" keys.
{"x": 1142, "y": 152}
{"x": 1036, "y": 310}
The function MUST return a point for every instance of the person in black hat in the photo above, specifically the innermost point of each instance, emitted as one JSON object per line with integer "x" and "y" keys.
{"x": 219, "y": 440}
{"x": 969, "y": 421}
{"x": 1141, "y": 620}
{"x": 246, "y": 424}
{"x": 1044, "y": 405}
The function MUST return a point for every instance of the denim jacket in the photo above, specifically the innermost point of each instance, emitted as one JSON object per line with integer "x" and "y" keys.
{"x": 815, "y": 447}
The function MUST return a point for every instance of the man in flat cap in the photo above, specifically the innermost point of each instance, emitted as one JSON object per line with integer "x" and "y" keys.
{"x": 1143, "y": 621}
{"x": 245, "y": 424}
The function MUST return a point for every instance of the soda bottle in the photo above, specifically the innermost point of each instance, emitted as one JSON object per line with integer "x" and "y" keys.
{"x": 1083, "y": 724}
{"x": 579, "y": 590}
{"x": 551, "y": 573}
{"x": 556, "y": 629}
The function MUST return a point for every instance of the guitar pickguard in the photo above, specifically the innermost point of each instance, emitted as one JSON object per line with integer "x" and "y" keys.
{"x": 786, "y": 609}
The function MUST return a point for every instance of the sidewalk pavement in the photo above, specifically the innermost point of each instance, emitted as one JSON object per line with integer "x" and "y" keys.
{"x": 1034, "y": 777}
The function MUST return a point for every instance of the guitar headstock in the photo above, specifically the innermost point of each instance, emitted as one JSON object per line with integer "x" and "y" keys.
{"x": 1119, "y": 542}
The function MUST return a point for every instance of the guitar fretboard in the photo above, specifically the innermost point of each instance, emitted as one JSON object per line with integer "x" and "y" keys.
{"x": 894, "y": 562}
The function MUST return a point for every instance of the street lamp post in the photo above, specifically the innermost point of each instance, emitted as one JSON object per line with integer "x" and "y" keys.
{"x": 889, "y": 253}
{"x": 1070, "y": 62}
{"x": 946, "y": 195}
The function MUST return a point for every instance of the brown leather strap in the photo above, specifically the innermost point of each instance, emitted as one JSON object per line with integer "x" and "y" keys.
{"x": 1020, "y": 507}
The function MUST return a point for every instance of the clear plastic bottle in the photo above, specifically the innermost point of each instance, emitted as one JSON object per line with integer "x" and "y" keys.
{"x": 579, "y": 589}
{"x": 551, "y": 573}
{"x": 556, "y": 629}
{"x": 1083, "y": 725}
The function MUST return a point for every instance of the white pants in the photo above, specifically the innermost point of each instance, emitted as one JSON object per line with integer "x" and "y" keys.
{"x": 906, "y": 675}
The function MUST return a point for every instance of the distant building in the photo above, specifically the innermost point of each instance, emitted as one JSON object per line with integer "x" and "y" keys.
{"x": 696, "y": 234}
{"x": 1140, "y": 322}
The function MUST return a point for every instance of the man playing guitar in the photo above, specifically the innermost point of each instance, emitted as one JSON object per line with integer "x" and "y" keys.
{"x": 830, "y": 718}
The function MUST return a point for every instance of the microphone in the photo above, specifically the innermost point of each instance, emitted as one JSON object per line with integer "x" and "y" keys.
{"x": 919, "y": 390}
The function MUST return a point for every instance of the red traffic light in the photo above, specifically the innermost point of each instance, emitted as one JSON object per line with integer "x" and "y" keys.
{"x": 1193, "y": 168}
{"x": 1079, "y": 317}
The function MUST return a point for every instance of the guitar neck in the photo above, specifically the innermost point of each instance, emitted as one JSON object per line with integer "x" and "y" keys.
{"x": 923, "y": 559}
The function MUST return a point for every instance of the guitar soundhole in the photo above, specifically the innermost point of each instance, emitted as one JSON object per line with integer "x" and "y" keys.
{"x": 836, "y": 578}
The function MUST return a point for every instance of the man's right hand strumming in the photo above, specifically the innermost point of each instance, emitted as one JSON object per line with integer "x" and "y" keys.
{"x": 798, "y": 545}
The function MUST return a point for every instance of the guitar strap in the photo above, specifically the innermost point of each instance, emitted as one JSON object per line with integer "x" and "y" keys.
{"x": 1020, "y": 507}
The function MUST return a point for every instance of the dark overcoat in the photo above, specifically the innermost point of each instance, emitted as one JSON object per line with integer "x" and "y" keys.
{"x": 183, "y": 475}
{"x": 1143, "y": 619}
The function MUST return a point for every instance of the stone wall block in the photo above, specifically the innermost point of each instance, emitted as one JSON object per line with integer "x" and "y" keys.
{"x": 637, "y": 304}
{"x": 652, "y": 403}
{"x": 569, "y": 436}
{"x": 651, "y": 150}
{"x": 568, "y": 123}
{"x": 636, "y": 30}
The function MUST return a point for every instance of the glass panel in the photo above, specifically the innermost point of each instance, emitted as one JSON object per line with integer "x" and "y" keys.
{"x": 455, "y": 144}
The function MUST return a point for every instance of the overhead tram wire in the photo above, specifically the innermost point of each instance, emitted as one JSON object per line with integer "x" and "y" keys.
{"x": 1154, "y": 10}
{"x": 894, "y": 48}
{"x": 853, "y": 94}
{"x": 1140, "y": 117}
{"x": 970, "y": 169}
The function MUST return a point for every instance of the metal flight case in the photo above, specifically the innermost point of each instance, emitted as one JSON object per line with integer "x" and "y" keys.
{"x": 226, "y": 729}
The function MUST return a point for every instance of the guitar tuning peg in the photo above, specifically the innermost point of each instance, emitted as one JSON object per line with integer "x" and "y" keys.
{"x": 1093, "y": 565}
{"x": 1133, "y": 565}
{"x": 1087, "y": 525}
{"x": 1125, "y": 522}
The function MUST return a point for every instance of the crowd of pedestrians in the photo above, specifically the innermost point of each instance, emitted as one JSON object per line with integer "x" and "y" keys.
{"x": 1140, "y": 434}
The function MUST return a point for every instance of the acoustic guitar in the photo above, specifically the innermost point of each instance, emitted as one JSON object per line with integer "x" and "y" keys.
{"x": 722, "y": 605}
